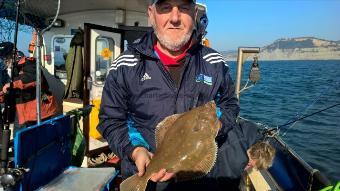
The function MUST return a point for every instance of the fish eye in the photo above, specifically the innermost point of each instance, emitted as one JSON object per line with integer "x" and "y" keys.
{"x": 198, "y": 127}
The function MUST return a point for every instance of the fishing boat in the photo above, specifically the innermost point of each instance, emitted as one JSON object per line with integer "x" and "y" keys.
{"x": 289, "y": 171}
{"x": 105, "y": 28}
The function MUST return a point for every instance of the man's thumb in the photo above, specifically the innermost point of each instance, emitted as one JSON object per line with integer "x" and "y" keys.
{"x": 141, "y": 169}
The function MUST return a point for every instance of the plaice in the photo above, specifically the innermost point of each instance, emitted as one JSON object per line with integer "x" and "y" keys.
{"x": 185, "y": 145}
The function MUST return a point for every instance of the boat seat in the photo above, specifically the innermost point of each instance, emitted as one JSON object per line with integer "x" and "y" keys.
{"x": 45, "y": 150}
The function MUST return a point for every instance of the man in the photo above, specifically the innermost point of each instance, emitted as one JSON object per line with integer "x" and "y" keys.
{"x": 165, "y": 72}
{"x": 4, "y": 77}
{"x": 24, "y": 87}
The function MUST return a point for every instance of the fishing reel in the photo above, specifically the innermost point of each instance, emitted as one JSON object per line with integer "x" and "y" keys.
{"x": 12, "y": 177}
{"x": 270, "y": 132}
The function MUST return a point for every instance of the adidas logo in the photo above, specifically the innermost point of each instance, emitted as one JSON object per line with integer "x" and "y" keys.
{"x": 145, "y": 77}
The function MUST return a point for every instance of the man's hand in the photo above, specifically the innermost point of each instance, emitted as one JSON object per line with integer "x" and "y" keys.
{"x": 2, "y": 99}
{"x": 162, "y": 176}
{"x": 142, "y": 158}
{"x": 5, "y": 87}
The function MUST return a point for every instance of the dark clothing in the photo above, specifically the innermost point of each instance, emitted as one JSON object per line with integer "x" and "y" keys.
{"x": 234, "y": 150}
{"x": 203, "y": 184}
{"x": 176, "y": 72}
{"x": 139, "y": 93}
{"x": 24, "y": 86}
{"x": 4, "y": 77}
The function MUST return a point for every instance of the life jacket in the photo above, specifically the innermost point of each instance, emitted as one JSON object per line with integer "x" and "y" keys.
{"x": 24, "y": 85}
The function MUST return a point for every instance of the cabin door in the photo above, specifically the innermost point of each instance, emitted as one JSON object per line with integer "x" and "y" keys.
{"x": 102, "y": 46}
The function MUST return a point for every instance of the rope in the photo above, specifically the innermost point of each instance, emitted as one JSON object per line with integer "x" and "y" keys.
{"x": 245, "y": 86}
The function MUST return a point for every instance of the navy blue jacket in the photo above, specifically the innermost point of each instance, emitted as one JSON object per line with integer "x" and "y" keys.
{"x": 139, "y": 93}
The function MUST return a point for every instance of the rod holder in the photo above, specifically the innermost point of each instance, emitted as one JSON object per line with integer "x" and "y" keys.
{"x": 243, "y": 54}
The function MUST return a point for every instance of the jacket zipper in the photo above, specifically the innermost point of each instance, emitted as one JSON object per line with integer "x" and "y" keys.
{"x": 170, "y": 82}
{"x": 187, "y": 60}
{"x": 167, "y": 76}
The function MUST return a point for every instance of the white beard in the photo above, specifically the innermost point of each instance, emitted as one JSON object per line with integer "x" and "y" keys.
{"x": 173, "y": 45}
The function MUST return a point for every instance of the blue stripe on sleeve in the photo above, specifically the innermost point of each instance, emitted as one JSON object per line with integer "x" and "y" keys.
{"x": 218, "y": 112}
{"x": 135, "y": 137}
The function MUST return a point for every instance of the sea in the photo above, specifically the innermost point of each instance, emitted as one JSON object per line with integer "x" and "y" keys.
{"x": 289, "y": 89}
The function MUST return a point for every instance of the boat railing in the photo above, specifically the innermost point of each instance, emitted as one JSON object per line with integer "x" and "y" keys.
{"x": 243, "y": 54}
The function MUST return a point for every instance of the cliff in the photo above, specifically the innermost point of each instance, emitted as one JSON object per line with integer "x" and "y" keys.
{"x": 304, "y": 48}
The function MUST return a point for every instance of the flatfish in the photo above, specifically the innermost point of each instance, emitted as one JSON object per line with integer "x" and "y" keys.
{"x": 185, "y": 145}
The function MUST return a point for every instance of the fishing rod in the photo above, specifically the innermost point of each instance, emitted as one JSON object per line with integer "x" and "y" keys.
{"x": 8, "y": 114}
{"x": 9, "y": 177}
{"x": 309, "y": 115}
{"x": 323, "y": 92}
{"x": 269, "y": 131}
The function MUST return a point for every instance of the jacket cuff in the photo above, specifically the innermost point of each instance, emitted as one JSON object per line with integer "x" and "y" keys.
{"x": 129, "y": 149}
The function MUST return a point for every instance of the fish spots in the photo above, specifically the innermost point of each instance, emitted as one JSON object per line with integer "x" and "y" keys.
{"x": 185, "y": 143}
{"x": 198, "y": 144}
{"x": 184, "y": 157}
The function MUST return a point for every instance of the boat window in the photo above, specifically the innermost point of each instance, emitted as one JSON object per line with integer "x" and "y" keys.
{"x": 61, "y": 46}
{"x": 104, "y": 57}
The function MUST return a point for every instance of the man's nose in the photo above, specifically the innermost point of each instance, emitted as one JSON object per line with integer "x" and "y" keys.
{"x": 175, "y": 15}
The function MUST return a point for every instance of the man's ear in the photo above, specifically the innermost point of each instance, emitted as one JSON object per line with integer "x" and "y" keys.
{"x": 196, "y": 16}
{"x": 196, "y": 13}
{"x": 151, "y": 14}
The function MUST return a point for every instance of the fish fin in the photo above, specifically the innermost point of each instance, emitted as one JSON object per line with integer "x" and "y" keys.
{"x": 134, "y": 183}
{"x": 202, "y": 167}
{"x": 163, "y": 127}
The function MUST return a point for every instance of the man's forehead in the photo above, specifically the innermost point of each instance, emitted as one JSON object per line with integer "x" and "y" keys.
{"x": 161, "y": 1}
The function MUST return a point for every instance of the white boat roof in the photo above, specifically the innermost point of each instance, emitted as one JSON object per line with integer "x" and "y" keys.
{"x": 40, "y": 8}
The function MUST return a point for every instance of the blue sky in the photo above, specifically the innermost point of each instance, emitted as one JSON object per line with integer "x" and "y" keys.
{"x": 234, "y": 23}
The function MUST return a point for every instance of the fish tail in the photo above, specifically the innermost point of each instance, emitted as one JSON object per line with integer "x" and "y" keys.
{"x": 134, "y": 183}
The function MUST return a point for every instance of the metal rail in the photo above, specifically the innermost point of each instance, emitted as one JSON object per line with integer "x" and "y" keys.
{"x": 243, "y": 54}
